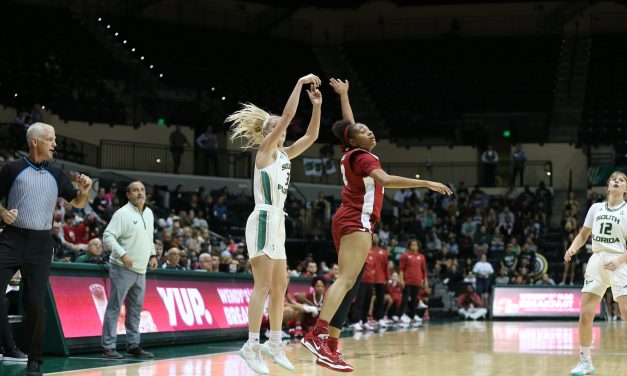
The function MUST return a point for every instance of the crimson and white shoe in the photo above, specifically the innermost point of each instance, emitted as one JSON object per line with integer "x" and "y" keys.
{"x": 357, "y": 327}
{"x": 338, "y": 364}
{"x": 369, "y": 327}
{"x": 318, "y": 346}
{"x": 297, "y": 332}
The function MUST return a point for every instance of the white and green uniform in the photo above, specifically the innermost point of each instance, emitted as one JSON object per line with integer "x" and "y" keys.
{"x": 265, "y": 228}
{"x": 609, "y": 229}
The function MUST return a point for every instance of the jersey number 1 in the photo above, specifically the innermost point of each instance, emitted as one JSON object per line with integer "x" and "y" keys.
{"x": 606, "y": 228}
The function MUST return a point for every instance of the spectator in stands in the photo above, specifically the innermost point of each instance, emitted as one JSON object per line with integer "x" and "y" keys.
{"x": 481, "y": 242}
{"x": 173, "y": 257}
{"x": 483, "y": 271}
{"x": 321, "y": 212}
{"x": 36, "y": 114}
{"x": 113, "y": 192}
{"x": 569, "y": 267}
{"x": 490, "y": 158}
{"x": 311, "y": 270}
{"x": 259, "y": 129}
{"x": 519, "y": 160}
{"x": 158, "y": 244}
{"x": 331, "y": 275}
{"x": 207, "y": 144}
{"x": 497, "y": 242}
{"x": 93, "y": 254}
{"x": 177, "y": 147}
{"x": 469, "y": 227}
{"x": 184, "y": 259}
{"x": 545, "y": 280}
{"x": 572, "y": 204}
{"x": 205, "y": 263}
{"x": 502, "y": 278}
{"x": 74, "y": 233}
{"x": 509, "y": 260}
{"x": 99, "y": 204}
{"x": 470, "y": 305}
{"x": 545, "y": 196}
{"x": 215, "y": 263}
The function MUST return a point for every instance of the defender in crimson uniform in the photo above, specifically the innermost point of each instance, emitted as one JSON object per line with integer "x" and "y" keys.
{"x": 364, "y": 180}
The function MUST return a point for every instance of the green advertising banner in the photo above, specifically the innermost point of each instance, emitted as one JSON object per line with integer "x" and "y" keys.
{"x": 598, "y": 175}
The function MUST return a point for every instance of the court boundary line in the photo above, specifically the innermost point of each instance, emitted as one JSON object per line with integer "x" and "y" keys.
{"x": 123, "y": 365}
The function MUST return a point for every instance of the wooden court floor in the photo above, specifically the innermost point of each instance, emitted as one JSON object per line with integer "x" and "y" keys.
{"x": 458, "y": 348}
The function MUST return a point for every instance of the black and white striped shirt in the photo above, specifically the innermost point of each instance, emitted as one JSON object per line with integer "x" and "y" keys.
{"x": 33, "y": 189}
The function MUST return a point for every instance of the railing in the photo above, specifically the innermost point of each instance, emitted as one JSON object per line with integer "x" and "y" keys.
{"x": 157, "y": 158}
{"x": 126, "y": 155}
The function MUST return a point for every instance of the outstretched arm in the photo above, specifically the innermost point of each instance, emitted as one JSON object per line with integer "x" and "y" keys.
{"x": 298, "y": 147}
{"x": 270, "y": 141}
{"x": 393, "y": 181}
{"x": 341, "y": 87}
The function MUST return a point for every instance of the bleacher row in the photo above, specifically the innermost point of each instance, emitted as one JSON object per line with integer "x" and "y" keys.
{"x": 417, "y": 85}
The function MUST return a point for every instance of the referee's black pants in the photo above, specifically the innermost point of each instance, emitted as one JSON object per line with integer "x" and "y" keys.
{"x": 31, "y": 252}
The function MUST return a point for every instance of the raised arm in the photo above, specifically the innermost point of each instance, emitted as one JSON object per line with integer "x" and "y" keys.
{"x": 298, "y": 147}
{"x": 393, "y": 181}
{"x": 269, "y": 142}
{"x": 341, "y": 88}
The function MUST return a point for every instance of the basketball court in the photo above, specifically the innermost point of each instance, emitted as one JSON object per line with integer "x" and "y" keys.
{"x": 452, "y": 348}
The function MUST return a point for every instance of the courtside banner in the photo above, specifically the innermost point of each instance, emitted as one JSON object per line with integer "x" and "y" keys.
{"x": 169, "y": 305}
{"x": 543, "y": 301}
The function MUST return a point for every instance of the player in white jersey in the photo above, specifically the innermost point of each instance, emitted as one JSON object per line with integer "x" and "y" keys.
{"x": 265, "y": 229}
{"x": 607, "y": 267}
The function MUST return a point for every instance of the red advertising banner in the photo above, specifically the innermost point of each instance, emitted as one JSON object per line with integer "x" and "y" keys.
{"x": 169, "y": 305}
{"x": 540, "y": 338}
{"x": 537, "y": 302}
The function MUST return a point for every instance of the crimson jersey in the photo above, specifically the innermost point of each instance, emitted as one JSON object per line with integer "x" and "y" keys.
{"x": 396, "y": 292}
{"x": 360, "y": 191}
{"x": 380, "y": 265}
{"x": 370, "y": 272}
{"x": 414, "y": 268}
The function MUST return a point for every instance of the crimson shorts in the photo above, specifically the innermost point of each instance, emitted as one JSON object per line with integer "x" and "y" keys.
{"x": 348, "y": 220}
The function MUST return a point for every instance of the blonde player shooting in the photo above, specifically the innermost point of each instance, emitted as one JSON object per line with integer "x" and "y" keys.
{"x": 265, "y": 228}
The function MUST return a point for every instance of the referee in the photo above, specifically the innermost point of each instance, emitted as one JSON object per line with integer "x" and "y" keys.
{"x": 31, "y": 187}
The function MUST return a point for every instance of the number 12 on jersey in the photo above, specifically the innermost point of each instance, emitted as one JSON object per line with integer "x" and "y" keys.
{"x": 605, "y": 228}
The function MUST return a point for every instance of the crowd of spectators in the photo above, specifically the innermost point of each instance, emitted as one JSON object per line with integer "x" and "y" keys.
{"x": 469, "y": 238}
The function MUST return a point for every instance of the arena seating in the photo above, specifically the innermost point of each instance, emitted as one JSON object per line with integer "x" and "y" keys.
{"x": 71, "y": 82}
{"x": 603, "y": 119}
{"x": 427, "y": 85}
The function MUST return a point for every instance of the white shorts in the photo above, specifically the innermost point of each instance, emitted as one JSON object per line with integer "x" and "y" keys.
{"x": 597, "y": 279}
{"x": 265, "y": 232}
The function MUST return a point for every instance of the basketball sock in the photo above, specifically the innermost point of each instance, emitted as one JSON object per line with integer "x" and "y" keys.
{"x": 333, "y": 343}
{"x": 322, "y": 327}
{"x": 275, "y": 337}
{"x": 585, "y": 351}
{"x": 253, "y": 339}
